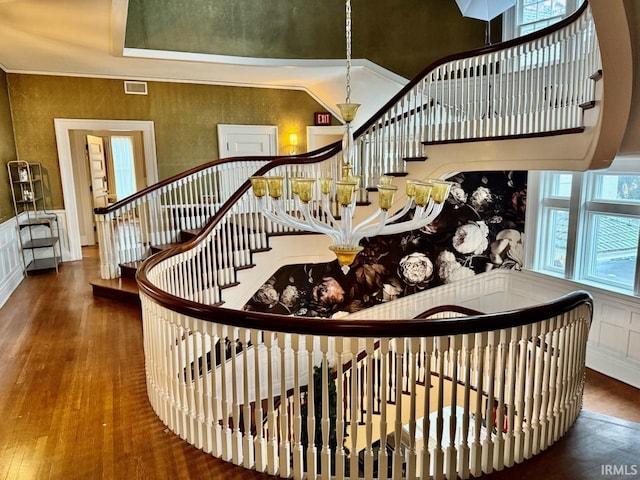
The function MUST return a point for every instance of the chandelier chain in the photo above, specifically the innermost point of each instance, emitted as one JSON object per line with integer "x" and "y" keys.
{"x": 348, "y": 37}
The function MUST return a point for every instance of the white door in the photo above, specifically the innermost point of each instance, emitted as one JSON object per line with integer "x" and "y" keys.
{"x": 247, "y": 140}
{"x": 318, "y": 137}
{"x": 98, "y": 171}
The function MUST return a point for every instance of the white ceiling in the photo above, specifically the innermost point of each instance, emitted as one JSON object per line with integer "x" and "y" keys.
{"x": 86, "y": 38}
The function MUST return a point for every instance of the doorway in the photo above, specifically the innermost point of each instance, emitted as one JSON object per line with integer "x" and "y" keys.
{"x": 73, "y": 208}
{"x": 122, "y": 174}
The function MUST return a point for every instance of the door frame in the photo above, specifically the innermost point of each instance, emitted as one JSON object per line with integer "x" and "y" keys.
{"x": 63, "y": 126}
{"x": 226, "y": 129}
{"x": 315, "y": 134}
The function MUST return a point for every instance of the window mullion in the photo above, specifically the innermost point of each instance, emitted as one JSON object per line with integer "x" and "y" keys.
{"x": 636, "y": 279}
{"x": 613, "y": 208}
{"x": 575, "y": 231}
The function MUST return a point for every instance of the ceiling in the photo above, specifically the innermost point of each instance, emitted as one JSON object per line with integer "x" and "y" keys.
{"x": 86, "y": 38}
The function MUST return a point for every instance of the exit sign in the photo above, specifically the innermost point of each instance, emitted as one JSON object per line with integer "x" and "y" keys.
{"x": 321, "y": 118}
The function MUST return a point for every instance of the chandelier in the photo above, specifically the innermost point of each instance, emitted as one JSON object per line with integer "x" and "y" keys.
{"x": 426, "y": 196}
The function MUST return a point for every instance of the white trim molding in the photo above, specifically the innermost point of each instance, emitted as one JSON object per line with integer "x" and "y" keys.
{"x": 11, "y": 266}
{"x": 62, "y": 128}
{"x": 614, "y": 339}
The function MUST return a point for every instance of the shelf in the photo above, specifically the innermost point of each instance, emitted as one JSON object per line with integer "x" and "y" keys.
{"x": 39, "y": 229}
{"x": 23, "y": 202}
{"x": 40, "y": 243}
{"x": 26, "y": 182}
{"x": 43, "y": 264}
{"x": 32, "y": 222}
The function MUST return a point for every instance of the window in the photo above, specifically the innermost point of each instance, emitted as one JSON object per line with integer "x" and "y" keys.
{"x": 534, "y": 15}
{"x": 531, "y": 15}
{"x": 123, "y": 166}
{"x": 587, "y": 227}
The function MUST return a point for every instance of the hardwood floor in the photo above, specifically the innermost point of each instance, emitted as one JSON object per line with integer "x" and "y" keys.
{"x": 73, "y": 401}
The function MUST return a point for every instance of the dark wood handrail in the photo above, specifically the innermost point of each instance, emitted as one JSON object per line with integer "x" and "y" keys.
{"x": 362, "y": 328}
{"x": 448, "y": 308}
{"x": 335, "y": 147}
{"x": 332, "y": 149}
{"x": 168, "y": 181}
{"x": 471, "y": 53}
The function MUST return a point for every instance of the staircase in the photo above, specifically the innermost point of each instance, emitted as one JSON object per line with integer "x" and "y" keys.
{"x": 520, "y": 103}
{"x": 125, "y": 289}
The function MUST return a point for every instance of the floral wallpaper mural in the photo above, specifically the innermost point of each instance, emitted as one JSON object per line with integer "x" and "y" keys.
{"x": 480, "y": 228}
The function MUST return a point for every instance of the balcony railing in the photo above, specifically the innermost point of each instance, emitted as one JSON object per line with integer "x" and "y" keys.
{"x": 362, "y": 397}
{"x": 366, "y": 398}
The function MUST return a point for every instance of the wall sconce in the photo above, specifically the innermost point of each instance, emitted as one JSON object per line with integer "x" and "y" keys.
{"x": 293, "y": 143}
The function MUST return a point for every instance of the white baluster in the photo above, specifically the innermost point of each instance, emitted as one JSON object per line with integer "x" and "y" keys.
{"x": 450, "y": 457}
{"x": 476, "y": 446}
{"x": 325, "y": 453}
{"x": 272, "y": 442}
{"x": 370, "y": 387}
{"x": 383, "y": 457}
{"x": 285, "y": 446}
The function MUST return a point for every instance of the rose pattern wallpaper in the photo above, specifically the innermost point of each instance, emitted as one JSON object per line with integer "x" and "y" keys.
{"x": 480, "y": 228}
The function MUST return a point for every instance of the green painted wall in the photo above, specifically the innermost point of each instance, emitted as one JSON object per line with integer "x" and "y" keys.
{"x": 401, "y": 35}
{"x": 185, "y": 116}
{"x": 7, "y": 149}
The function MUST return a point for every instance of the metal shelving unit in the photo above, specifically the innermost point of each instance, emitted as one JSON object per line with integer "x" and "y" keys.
{"x": 38, "y": 229}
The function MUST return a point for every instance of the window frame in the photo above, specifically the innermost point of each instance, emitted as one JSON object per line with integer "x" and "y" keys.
{"x": 511, "y": 18}
{"x": 582, "y": 208}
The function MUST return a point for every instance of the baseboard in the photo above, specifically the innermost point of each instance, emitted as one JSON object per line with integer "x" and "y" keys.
{"x": 612, "y": 367}
{"x": 9, "y": 284}
{"x": 11, "y": 268}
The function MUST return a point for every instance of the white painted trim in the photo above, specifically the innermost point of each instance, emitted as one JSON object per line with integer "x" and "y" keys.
{"x": 502, "y": 290}
{"x": 63, "y": 234}
{"x": 314, "y": 132}
{"x": 11, "y": 267}
{"x": 260, "y": 62}
{"x": 224, "y": 130}
{"x": 119, "y": 10}
{"x": 62, "y": 128}
{"x": 612, "y": 367}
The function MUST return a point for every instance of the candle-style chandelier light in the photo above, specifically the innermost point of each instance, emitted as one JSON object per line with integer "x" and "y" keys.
{"x": 426, "y": 196}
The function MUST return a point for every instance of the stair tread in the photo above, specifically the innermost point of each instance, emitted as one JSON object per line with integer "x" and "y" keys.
{"x": 123, "y": 284}
{"x": 119, "y": 289}
{"x": 189, "y": 233}
{"x": 134, "y": 264}
{"x": 165, "y": 246}
{"x": 129, "y": 269}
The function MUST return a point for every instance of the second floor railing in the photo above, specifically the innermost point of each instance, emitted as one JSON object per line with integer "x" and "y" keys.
{"x": 365, "y": 398}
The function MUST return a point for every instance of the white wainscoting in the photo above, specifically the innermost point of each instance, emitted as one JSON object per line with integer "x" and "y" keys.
{"x": 63, "y": 233}
{"x": 614, "y": 339}
{"x": 11, "y": 268}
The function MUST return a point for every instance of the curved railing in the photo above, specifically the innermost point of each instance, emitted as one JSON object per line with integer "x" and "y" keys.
{"x": 496, "y": 388}
{"x": 530, "y": 86}
{"x": 491, "y": 390}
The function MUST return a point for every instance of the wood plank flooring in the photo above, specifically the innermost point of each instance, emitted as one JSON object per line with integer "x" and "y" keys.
{"x": 73, "y": 401}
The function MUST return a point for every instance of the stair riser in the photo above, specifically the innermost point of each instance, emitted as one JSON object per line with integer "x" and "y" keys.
{"x": 116, "y": 294}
